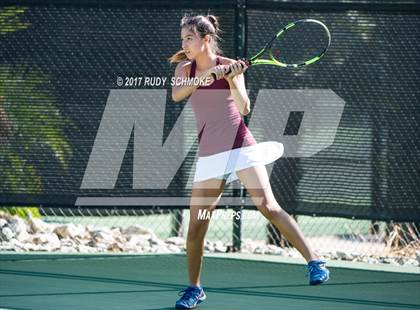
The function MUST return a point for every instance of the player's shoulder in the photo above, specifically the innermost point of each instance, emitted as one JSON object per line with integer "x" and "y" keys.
{"x": 226, "y": 60}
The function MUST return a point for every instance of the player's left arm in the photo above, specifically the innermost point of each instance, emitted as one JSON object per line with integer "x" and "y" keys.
{"x": 236, "y": 82}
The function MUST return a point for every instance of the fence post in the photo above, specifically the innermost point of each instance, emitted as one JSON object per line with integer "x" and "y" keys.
{"x": 240, "y": 48}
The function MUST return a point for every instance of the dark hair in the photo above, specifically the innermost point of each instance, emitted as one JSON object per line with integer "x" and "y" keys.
{"x": 202, "y": 26}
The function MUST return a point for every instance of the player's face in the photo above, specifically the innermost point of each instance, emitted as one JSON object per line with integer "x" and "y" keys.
{"x": 192, "y": 44}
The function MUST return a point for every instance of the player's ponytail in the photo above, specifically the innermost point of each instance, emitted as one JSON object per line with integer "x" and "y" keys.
{"x": 178, "y": 57}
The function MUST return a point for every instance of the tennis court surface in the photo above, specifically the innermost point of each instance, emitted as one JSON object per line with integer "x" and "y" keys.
{"x": 47, "y": 281}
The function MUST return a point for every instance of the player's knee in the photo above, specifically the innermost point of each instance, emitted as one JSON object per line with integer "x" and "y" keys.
{"x": 274, "y": 212}
{"x": 269, "y": 209}
{"x": 197, "y": 230}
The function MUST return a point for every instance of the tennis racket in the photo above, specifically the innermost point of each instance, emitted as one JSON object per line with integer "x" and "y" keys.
{"x": 298, "y": 44}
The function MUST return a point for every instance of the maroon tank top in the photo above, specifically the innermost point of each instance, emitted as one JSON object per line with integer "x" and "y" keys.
{"x": 219, "y": 123}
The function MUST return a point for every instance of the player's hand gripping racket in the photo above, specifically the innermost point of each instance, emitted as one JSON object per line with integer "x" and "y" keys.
{"x": 300, "y": 43}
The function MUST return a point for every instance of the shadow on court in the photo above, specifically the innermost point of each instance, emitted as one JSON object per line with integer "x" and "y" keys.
{"x": 153, "y": 282}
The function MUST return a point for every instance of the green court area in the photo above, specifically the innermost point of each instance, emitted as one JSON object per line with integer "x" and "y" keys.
{"x": 48, "y": 281}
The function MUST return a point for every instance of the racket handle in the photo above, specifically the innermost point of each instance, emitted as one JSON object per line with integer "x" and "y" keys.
{"x": 229, "y": 69}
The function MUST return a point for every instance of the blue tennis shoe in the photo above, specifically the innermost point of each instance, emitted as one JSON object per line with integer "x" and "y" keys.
{"x": 317, "y": 272}
{"x": 192, "y": 296}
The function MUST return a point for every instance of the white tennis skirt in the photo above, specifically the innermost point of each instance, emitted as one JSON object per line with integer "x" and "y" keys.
{"x": 228, "y": 162}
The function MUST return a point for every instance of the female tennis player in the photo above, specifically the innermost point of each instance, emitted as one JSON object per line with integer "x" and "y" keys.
{"x": 227, "y": 149}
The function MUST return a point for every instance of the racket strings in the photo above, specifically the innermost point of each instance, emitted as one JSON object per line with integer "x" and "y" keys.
{"x": 300, "y": 43}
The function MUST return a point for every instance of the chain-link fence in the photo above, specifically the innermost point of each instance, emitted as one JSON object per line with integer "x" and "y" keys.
{"x": 120, "y": 230}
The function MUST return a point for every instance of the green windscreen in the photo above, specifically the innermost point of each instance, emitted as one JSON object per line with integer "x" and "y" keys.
{"x": 59, "y": 64}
